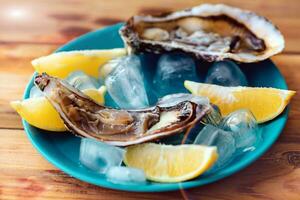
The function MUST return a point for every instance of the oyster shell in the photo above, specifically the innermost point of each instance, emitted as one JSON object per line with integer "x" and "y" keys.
{"x": 86, "y": 118}
{"x": 210, "y": 32}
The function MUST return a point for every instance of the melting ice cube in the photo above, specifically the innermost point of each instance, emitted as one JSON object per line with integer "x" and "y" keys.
{"x": 172, "y": 70}
{"x": 35, "y": 92}
{"x": 213, "y": 136}
{"x": 125, "y": 83}
{"x": 226, "y": 73}
{"x": 125, "y": 175}
{"x": 173, "y": 99}
{"x": 213, "y": 116}
{"x": 81, "y": 81}
{"x": 99, "y": 156}
{"x": 245, "y": 130}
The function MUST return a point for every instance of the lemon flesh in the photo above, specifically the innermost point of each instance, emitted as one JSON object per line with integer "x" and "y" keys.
{"x": 40, "y": 113}
{"x": 62, "y": 63}
{"x": 168, "y": 163}
{"x": 264, "y": 103}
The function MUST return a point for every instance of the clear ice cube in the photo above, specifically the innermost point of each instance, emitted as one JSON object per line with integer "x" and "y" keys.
{"x": 81, "y": 81}
{"x": 172, "y": 70}
{"x": 35, "y": 92}
{"x": 99, "y": 156}
{"x": 213, "y": 116}
{"x": 173, "y": 99}
{"x": 226, "y": 73}
{"x": 223, "y": 140}
{"x": 244, "y": 127}
{"x": 125, "y": 175}
{"x": 125, "y": 83}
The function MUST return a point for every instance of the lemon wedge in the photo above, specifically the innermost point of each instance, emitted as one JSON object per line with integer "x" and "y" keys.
{"x": 168, "y": 163}
{"x": 40, "y": 113}
{"x": 62, "y": 63}
{"x": 96, "y": 94}
{"x": 264, "y": 103}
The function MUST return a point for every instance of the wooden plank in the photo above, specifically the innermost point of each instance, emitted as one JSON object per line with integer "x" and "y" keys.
{"x": 31, "y": 28}
{"x": 26, "y": 175}
{"x": 56, "y": 22}
{"x": 15, "y": 72}
{"x": 288, "y": 65}
{"x": 39, "y": 179}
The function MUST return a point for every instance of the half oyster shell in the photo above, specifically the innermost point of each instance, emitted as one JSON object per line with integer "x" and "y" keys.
{"x": 210, "y": 32}
{"x": 85, "y": 118}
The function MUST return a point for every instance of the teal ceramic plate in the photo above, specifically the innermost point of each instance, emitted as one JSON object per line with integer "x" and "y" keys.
{"x": 62, "y": 150}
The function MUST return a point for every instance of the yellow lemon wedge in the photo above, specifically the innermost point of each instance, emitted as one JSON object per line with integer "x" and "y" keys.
{"x": 169, "y": 163}
{"x": 40, "y": 113}
{"x": 62, "y": 63}
{"x": 264, "y": 103}
{"x": 96, "y": 94}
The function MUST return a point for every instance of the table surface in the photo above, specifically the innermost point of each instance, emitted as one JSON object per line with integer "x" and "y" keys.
{"x": 30, "y": 29}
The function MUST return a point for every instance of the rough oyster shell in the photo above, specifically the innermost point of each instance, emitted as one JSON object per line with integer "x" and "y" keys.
{"x": 210, "y": 32}
{"x": 86, "y": 118}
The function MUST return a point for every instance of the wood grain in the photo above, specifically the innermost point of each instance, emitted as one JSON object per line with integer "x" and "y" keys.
{"x": 33, "y": 28}
{"x": 56, "y": 22}
{"x": 15, "y": 72}
{"x": 277, "y": 170}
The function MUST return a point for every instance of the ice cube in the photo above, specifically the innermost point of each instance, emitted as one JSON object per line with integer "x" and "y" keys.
{"x": 125, "y": 175}
{"x": 213, "y": 116}
{"x": 223, "y": 140}
{"x": 172, "y": 70}
{"x": 99, "y": 156}
{"x": 81, "y": 81}
{"x": 125, "y": 83}
{"x": 173, "y": 99}
{"x": 35, "y": 92}
{"x": 245, "y": 130}
{"x": 226, "y": 73}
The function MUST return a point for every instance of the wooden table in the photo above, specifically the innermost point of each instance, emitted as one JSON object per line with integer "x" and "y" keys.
{"x": 30, "y": 29}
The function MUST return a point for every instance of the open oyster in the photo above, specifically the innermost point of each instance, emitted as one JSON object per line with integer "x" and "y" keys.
{"x": 210, "y": 32}
{"x": 86, "y": 118}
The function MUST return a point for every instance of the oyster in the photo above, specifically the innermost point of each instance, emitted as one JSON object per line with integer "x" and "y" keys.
{"x": 209, "y": 32}
{"x": 86, "y": 118}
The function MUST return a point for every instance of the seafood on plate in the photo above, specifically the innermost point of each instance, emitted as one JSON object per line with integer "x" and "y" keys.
{"x": 86, "y": 118}
{"x": 210, "y": 31}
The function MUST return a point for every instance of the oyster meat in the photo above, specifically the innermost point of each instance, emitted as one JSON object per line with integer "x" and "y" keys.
{"x": 86, "y": 118}
{"x": 209, "y": 32}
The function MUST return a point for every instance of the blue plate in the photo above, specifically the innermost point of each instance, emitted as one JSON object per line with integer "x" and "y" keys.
{"x": 62, "y": 150}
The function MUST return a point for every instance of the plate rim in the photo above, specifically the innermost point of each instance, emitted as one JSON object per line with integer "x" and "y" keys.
{"x": 145, "y": 188}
